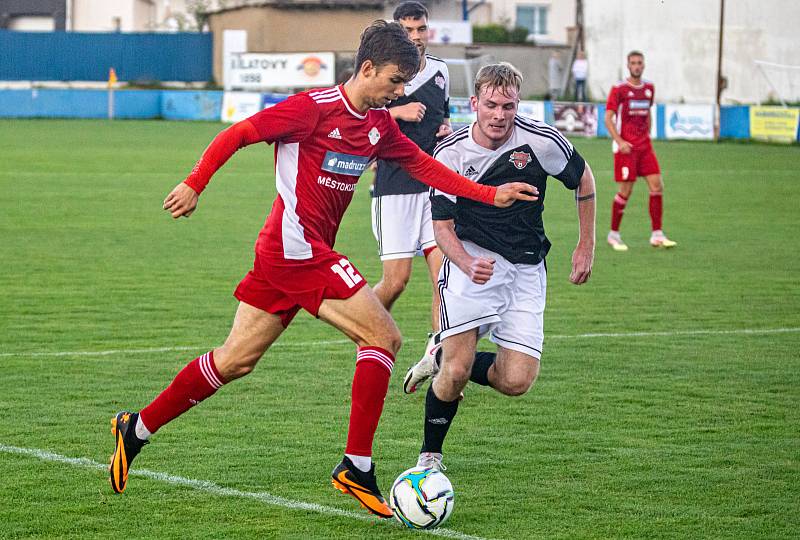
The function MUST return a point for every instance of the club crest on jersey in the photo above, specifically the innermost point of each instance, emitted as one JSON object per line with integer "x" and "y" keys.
{"x": 439, "y": 80}
{"x": 520, "y": 159}
{"x": 374, "y": 136}
{"x": 648, "y": 93}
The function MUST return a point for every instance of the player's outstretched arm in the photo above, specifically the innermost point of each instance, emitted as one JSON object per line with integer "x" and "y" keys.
{"x": 514, "y": 191}
{"x": 583, "y": 256}
{"x": 429, "y": 171}
{"x": 181, "y": 201}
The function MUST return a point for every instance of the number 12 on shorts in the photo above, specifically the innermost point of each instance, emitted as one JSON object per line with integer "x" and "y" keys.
{"x": 348, "y": 274}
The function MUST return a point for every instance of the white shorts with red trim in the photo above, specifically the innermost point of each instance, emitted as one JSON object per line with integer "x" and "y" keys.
{"x": 402, "y": 225}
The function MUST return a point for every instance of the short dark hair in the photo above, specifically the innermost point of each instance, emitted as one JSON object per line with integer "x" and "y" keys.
{"x": 386, "y": 43}
{"x": 635, "y": 53}
{"x": 413, "y": 10}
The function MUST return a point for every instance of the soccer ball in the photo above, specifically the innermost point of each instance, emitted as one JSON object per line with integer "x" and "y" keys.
{"x": 422, "y": 498}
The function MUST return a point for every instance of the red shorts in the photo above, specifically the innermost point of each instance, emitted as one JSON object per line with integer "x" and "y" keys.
{"x": 627, "y": 167}
{"x": 282, "y": 287}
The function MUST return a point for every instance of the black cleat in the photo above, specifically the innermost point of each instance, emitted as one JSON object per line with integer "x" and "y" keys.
{"x": 126, "y": 447}
{"x": 362, "y": 486}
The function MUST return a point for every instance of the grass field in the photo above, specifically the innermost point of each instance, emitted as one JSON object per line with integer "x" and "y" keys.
{"x": 668, "y": 404}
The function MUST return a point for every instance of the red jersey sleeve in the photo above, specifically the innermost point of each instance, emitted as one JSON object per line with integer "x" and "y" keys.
{"x": 289, "y": 121}
{"x": 292, "y": 120}
{"x": 612, "y": 104}
{"x": 397, "y": 147}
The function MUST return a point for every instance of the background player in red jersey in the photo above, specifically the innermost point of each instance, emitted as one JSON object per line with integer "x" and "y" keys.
{"x": 630, "y": 101}
{"x": 323, "y": 140}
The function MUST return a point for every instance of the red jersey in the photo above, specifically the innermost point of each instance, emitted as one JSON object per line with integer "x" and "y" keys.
{"x": 322, "y": 145}
{"x": 632, "y": 105}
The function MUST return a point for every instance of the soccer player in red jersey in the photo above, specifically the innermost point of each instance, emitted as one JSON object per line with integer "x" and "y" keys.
{"x": 630, "y": 101}
{"x": 323, "y": 140}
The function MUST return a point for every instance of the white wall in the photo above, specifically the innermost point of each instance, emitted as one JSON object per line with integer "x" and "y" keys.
{"x": 134, "y": 15}
{"x": 679, "y": 39}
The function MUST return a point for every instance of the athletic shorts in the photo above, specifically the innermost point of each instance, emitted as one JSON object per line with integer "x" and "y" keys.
{"x": 282, "y": 287}
{"x": 627, "y": 167}
{"x": 402, "y": 225}
{"x": 509, "y": 307}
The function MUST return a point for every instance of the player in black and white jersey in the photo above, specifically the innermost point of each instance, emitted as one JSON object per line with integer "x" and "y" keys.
{"x": 401, "y": 217}
{"x": 493, "y": 278}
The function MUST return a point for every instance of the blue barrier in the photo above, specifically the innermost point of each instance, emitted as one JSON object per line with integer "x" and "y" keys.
{"x": 52, "y": 103}
{"x": 80, "y": 56}
{"x": 183, "y": 105}
{"x": 207, "y": 105}
{"x": 734, "y": 122}
{"x": 602, "y": 131}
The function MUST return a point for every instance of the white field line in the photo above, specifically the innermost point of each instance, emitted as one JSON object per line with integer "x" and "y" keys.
{"x": 322, "y": 343}
{"x": 216, "y": 489}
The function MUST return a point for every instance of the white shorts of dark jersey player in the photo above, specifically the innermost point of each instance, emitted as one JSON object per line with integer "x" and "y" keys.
{"x": 402, "y": 225}
{"x": 509, "y": 307}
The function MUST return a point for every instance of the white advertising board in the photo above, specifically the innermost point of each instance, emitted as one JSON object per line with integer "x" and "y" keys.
{"x": 261, "y": 71}
{"x": 689, "y": 122}
{"x": 237, "y": 106}
{"x": 445, "y": 32}
{"x": 532, "y": 109}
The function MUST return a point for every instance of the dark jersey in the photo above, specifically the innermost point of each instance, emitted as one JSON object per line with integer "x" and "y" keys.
{"x": 431, "y": 87}
{"x": 534, "y": 151}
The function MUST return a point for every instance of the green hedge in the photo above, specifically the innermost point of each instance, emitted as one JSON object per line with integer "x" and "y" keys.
{"x": 496, "y": 33}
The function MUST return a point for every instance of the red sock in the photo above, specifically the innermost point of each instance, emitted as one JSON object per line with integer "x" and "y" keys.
{"x": 197, "y": 381}
{"x": 370, "y": 383}
{"x": 617, "y": 209}
{"x": 656, "y": 210}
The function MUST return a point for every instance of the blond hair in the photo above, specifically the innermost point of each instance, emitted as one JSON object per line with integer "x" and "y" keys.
{"x": 502, "y": 76}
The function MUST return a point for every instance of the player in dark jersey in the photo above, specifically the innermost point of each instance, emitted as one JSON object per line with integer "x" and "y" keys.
{"x": 493, "y": 279}
{"x": 628, "y": 122}
{"x": 401, "y": 208}
{"x": 323, "y": 141}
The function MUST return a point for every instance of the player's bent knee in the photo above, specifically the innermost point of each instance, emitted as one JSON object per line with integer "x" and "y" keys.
{"x": 518, "y": 388}
{"x": 232, "y": 365}
{"x": 395, "y": 287}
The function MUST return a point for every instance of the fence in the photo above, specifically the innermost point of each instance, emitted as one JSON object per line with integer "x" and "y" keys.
{"x": 82, "y": 56}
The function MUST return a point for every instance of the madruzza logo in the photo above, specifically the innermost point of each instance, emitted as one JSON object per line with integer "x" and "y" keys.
{"x": 337, "y": 163}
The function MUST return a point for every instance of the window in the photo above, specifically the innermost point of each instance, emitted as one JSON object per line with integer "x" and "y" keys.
{"x": 534, "y": 18}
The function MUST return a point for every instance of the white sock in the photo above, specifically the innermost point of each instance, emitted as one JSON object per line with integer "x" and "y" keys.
{"x": 142, "y": 433}
{"x": 364, "y": 463}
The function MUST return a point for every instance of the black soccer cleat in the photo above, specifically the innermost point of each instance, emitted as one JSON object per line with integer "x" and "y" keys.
{"x": 126, "y": 447}
{"x": 362, "y": 486}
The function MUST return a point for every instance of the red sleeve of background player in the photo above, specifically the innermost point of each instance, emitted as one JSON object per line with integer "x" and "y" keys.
{"x": 290, "y": 121}
{"x": 397, "y": 147}
{"x": 613, "y": 101}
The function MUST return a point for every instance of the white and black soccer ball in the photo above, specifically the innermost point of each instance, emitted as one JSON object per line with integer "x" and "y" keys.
{"x": 422, "y": 498}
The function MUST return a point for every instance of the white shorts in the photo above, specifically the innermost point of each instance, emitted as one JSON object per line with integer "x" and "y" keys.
{"x": 509, "y": 307}
{"x": 402, "y": 225}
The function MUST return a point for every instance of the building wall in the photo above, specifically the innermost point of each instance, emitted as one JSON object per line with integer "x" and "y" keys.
{"x": 277, "y": 30}
{"x": 32, "y": 14}
{"x": 679, "y": 39}
{"x": 561, "y": 14}
{"x": 531, "y": 61}
{"x": 134, "y": 15}
{"x": 100, "y": 16}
